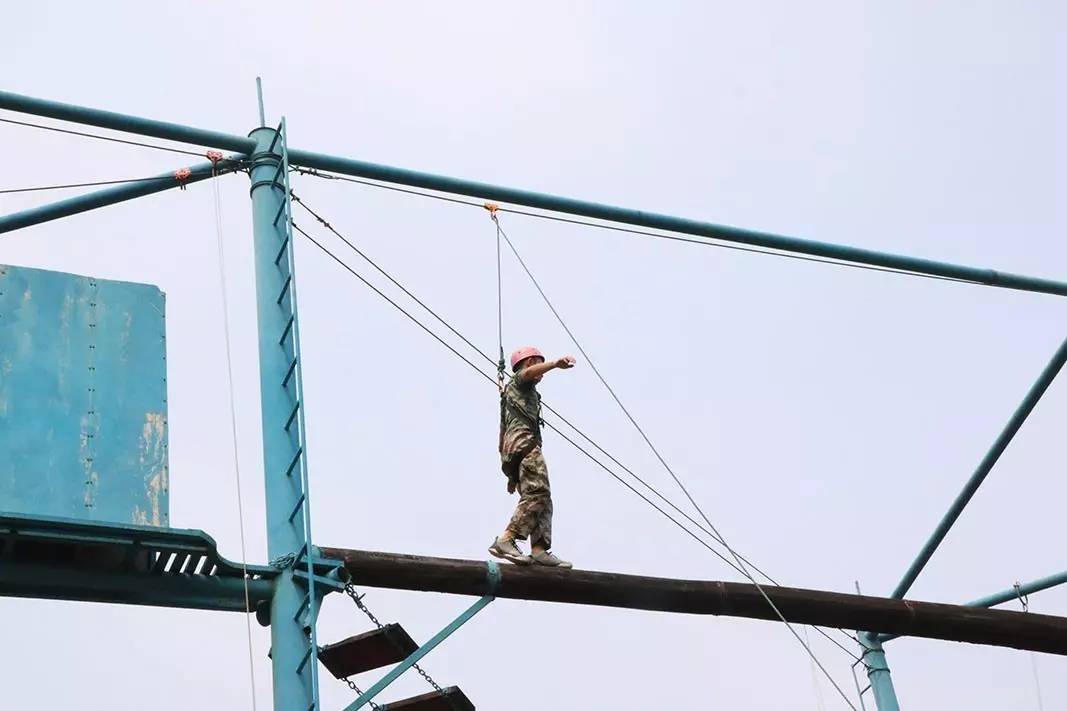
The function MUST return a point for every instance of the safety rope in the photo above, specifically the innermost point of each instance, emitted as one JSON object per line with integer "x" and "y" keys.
{"x": 231, "y": 166}
{"x": 215, "y": 157}
{"x": 670, "y": 471}
{"x": 1024, "y": 600}
{"x": 492, "y": 208}
{"x": 97, "y": 136}
{"x": 681, "y": 526}
{"x": 574, "y": 444}
{"x": 665, "y": 235}
{"x": 91, "y": 184}
{"x": 819, "y": 703}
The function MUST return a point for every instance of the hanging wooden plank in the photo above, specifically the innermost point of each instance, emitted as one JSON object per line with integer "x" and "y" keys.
{"x": 450, "y": 699}
{"x": 370, "y": 650}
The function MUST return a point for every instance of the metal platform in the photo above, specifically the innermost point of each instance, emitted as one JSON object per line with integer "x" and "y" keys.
{"x": 63, "y": 559}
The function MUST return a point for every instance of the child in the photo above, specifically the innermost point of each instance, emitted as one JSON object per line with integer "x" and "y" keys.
{"x": 523, "y": 463}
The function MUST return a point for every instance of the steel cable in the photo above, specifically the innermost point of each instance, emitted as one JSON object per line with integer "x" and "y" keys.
{"x": 325, "y": 223}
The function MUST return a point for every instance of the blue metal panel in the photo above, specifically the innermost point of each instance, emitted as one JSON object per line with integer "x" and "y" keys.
{"x": 83, "y": 408}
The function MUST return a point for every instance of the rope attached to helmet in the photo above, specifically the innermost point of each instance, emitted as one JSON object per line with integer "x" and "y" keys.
{"x": 492, "y": 208}
{"x": 534, "y": 418}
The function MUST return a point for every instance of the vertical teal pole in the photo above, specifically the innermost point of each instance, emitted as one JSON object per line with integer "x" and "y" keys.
{"x": 873, "y": 657}
{"x": 294, "y": 605}
{"x": 885, "y": 696}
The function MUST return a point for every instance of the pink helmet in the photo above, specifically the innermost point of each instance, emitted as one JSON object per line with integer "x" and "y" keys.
{"x": 524, "y": 353}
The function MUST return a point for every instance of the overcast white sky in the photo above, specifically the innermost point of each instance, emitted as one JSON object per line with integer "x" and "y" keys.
{"x": 825, "y": 417}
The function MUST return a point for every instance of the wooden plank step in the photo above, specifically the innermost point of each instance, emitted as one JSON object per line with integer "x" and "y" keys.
{"x": 451, "y": 699}
{"x": 370, "y": 650}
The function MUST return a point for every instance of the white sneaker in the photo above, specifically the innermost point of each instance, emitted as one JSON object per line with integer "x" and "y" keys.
{"x": 549, "y": 559}
{"x": 507, "y": 550}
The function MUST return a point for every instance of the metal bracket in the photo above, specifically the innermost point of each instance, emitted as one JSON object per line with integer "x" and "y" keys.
{"x": 334, "y": 579}
{"x": 493, "y": 574}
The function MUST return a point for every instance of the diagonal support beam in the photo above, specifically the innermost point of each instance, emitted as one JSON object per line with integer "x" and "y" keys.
{"x": 984, "y": 467}
{"x": 1024, "y": 589}
{"x": 528, "y": 198}
{"x": 1002, "y": 628}
{"x": 1006, "y": 595}
{"x": 105, "y": 197}
{"x": 414, "y": 657}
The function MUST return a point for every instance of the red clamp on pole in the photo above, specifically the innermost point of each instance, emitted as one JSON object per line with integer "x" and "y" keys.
{"x": 214, "y": 157}
{"x": 181, "y": 175}
{"x": 492, "y": 207}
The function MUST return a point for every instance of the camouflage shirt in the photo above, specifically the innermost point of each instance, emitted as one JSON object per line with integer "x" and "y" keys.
{"x": 520, "y": 417}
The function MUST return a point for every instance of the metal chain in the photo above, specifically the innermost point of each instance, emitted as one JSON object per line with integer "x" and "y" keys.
{"x": 283, "y": 562}
{"x": 358, "y": 599}
{"x": 359, "y": 692}
{"x": 429, "y": 679}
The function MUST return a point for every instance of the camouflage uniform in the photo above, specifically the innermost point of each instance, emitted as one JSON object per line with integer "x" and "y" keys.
{"x": 523, "y": 464}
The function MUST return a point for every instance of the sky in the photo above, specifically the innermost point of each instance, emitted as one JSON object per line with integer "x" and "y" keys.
{"x": 824, "y": 417}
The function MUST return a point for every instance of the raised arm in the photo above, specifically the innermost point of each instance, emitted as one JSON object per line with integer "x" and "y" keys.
{"x": 535, "y": 371}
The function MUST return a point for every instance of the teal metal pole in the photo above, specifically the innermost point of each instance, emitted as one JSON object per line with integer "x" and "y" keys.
{"x": 544, "y": 201}
{"x": 984, "y": 467}
{"x": 885, "y": 696}
{"x": 107, "y": 196}
{"x": 293, "y": 606}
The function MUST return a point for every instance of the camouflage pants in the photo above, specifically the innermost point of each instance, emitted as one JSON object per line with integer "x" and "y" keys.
{"x": 533, "y": 514}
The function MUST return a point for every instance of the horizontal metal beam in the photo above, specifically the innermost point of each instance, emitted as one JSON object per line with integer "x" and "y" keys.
{"x": 652, "y": 220}
{"x": 1043, "y": 633}
{"x": 543, "y": 201}
{"x": 200, "y": 592}
{"x": 102, "y": 198}
{"x": 124, "y": 122}
{"x": 68, "y": 559}
{"x": 1007, "y": 595}
{"x": 984, "y": 467}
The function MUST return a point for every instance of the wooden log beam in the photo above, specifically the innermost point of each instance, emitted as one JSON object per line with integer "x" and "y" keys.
{"x": 1001, "y": 628}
